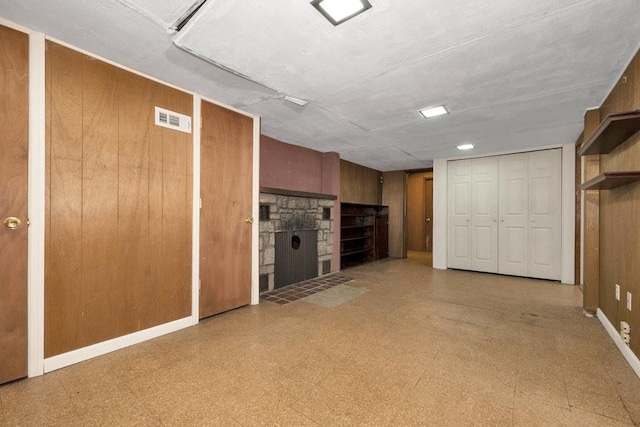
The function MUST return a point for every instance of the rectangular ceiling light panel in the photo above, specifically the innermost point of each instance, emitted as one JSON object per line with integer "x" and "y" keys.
{"x": 434, "y": 111}
{"x": 338, "y": 11}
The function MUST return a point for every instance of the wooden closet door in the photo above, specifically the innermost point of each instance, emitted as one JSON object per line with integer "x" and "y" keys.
{"x": 14, "y": 93}
{"x": 225, "y": 217}
{"x": 428, "y": 214}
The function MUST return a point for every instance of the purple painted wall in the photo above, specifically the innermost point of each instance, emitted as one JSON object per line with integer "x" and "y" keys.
{"x": 289, "y": 167}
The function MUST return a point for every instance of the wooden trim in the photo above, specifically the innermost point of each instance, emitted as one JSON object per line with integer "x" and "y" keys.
{"x": 293, "y": 193}
{"x": 591, "y": 215}
{"x": 36, "y": 188}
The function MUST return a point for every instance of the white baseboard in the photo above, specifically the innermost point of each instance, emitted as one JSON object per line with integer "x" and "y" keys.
{"x": 85, "y": 353}
{"x": 624, "y": 349}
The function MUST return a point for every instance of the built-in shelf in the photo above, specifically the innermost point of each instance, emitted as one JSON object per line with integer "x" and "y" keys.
{"x": 363, "y": 233}
{"x": 613, "y": 131}
{"x": 609, "y": 180}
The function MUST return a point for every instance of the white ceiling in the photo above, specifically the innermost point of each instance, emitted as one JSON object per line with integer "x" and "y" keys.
{"x": 515, "y": 74}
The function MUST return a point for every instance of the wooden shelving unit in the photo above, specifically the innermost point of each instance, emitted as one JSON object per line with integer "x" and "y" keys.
{"x": 609, "y": 180}
{"x": 359, "y": 238}
{"x": 613, "y": 131}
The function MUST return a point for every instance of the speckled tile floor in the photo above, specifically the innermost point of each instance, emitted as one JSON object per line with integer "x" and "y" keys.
{"x": 419, "y": 347}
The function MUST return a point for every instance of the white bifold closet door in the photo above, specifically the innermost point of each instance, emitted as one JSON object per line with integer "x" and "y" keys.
{"x": 459, "y": 209}
{"x": 545, "y": 214}
{"x": 484, "y": 214}
{"x": 505, "y": 214}
{"x": 473, "y": 214}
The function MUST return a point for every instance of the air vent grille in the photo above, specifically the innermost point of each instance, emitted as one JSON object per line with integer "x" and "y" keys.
{"x": 173, "y": 120}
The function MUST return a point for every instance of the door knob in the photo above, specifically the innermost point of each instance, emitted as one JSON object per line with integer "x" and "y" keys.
{"x": 248, "y": 220}
{"x": 428, "y": 219}
{"x": 12, "y": 223}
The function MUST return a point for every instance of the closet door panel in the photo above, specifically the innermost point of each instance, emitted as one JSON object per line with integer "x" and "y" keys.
{"x": 513, "y": 206}
{"x": 545, "y": 214}
{"x": 484, "y": 215}
{"x": 459, "y": 212}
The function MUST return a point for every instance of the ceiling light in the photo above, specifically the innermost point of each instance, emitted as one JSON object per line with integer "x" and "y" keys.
{"x": 338, "y": 11}
{"x": 465, "y": 147}
{"x": 298, "y": 101}
{"x": 434, "y": 111}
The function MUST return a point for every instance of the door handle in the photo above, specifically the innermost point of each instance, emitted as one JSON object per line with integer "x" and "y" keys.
{"x": 428, "y": 219}
{"x": 248, "y": 220}
{"x": 12, "y": 223}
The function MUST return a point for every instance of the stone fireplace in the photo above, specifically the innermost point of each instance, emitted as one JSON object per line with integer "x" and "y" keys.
{"x": 306, "y": 216}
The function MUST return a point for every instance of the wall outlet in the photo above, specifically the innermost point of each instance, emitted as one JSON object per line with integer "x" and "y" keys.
{"x": 629, "y": 301}
{"x": 617, "y": 292}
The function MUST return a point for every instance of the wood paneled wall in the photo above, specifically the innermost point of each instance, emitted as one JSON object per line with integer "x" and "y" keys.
{"x": 619, "y": 228}
{"x": 119, "y": 192}
{"x": 394, "y": 196}
{"x": 359, "y": 184}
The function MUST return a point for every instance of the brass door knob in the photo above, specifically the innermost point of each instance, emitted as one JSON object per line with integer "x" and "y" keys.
{"x": 248, "y": 220}
{"x": 12, "y": 223}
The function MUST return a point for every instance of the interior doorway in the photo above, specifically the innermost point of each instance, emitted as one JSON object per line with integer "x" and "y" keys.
{"x": 420, "y": 211}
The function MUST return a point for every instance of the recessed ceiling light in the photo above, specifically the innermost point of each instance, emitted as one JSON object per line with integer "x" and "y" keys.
{"x": 338, "y": 11}
{"x": 465, "y": 147}
{"x": 434, "y": 111}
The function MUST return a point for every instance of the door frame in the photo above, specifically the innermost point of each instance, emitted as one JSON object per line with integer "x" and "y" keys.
{"x": 255, "y": 226}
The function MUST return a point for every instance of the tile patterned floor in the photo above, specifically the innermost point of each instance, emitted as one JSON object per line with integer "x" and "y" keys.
{"x": 419, "y": 347}
{"x": 304, "y": 289}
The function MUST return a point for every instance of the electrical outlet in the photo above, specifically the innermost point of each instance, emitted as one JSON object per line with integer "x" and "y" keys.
{"x": 617, "y": 292}
{"x": 629, "y": 301}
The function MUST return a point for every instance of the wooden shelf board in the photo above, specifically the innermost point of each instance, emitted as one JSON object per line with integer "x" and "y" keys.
{"x": 613, "y": 131}
{"x": 359, "y": 251}
{"x": 609, "y": 180}
{"x": 356, "y": 238}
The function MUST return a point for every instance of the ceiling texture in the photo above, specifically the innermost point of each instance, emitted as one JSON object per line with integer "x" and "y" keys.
{"x": 515, "y": 74}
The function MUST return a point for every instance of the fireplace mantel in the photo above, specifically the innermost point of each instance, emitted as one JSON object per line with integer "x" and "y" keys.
{"x": 281, "y": 192}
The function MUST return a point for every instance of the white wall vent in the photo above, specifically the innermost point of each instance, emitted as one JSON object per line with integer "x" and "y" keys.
{"x": 173, "y": 120}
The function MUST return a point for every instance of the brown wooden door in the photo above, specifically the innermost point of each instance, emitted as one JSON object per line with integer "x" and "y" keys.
{"x": 428, "y": 214}
{"x": 14, "y": 91}
{"x": 226, "y": 190}
{"x": 415, "y": 212}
